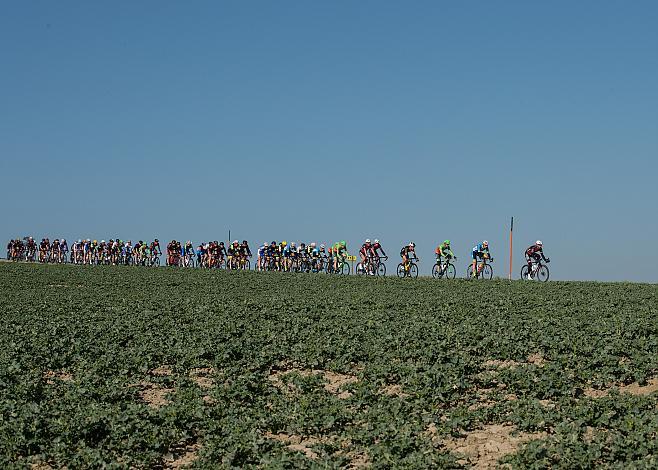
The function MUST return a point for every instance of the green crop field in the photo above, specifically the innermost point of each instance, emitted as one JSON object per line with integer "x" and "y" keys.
{"x": 134, "y": 367}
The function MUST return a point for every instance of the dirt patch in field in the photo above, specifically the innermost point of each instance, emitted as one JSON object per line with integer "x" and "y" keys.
{"x": 632, "y": 389}
{"x": 535, "y": 359}
{"x": 162, "y": 371}
{"x": 304, "y": 445}
{"x": 393, "y": 391}
{"x": 202, "y": 377}
{"x": 483, "y": 448}
{"x": 154, "y": 395}
{"x": 298, "y": 443}
{"x": 50, "y": 376}
{"x": 182, "y": 456}
{"x": 333, "y": 380}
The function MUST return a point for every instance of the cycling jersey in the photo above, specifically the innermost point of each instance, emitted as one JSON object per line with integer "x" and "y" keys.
{"x": 377, "y": 246}
{"x": 366, "y": 249}
{"x": 534, "y": 249}
{"x": 480, "y": 250}
{"x": 407, "y": 251}
{"x": 339, "y": 250}
{"x": 444, "y": 250}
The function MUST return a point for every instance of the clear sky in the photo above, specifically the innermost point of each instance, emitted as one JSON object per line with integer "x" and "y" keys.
{"x": 305, "y": 120}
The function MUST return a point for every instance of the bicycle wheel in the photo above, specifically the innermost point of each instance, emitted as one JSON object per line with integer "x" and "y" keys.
{"x": 487, "y": 272}
{"x": 436, "y": 271}
{"x": 450, "y": 272}
{"x": 524, "y": 272}
{"x": 413, "y": 270}
{"x": 542, "y": 273}
{"x": 345, "y": 268}
{"x": 381, "y": 269}
{"x": 469, "y": 272}
{"x": 401, "y": 271}
{"x": 247, "y": 265}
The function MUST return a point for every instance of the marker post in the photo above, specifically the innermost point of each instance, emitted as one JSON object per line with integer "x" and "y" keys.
{"x": 511, "y": 253}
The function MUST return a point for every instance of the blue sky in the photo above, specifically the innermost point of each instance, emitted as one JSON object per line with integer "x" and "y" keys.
{"x": 338, "y": 120}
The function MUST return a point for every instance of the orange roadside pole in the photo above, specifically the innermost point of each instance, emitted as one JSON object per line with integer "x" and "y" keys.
{"x": 511, "y": 254}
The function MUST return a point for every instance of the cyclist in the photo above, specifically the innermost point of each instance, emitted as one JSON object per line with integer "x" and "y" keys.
{"x": 155, "y": 248}
{"x": 376, "y": 246}
{"x": 260, "y": 260}
{"x": 408, "y": 253}
{"x": 480, "y": 251}
{"x": 188, "y": 252}
{"x": 63, "y": 250}
{"x": 126, "y": 252}
{"x": 444, "y": 250}
{"x": 31, "y": 249}
{"x": 221, "y": 251}
{"x": 340, "y": 252}
{"x": 366, "y": 252}
{"x": 233, "y": 252}
{"x": 245, "y": 251}
{"x": 533, "y": 254}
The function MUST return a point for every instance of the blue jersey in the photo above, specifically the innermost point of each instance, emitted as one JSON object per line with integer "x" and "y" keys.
{"x": 480, "y": 249}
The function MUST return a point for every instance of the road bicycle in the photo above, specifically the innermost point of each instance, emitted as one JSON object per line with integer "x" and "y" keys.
{"x": 188, "y": 260}
{"x": 374, "y": 265}
{"x": 444, "y": 269}
{"x": 154, "y": 259}
{"x": 484, "y": 270}
{"x": 408, "y": 270}
{"x": 343, "y": 266}
{"x": 539, "y": 271}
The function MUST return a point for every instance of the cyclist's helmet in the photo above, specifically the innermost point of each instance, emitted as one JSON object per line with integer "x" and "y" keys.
{"x": 63, "y": 239}
{"x": 313, "y": 245}
{"x": 235, "y": 242}
{"x": 102, "y": 241}
{"x": 367, "y": 240}
{"x": 343, "y": 243}
{"x": 95, "y": 242}
{"x": 539, "y": 243}
{"x": 446, "y": 242}
{"x": 244, "y": 242}
{"x": 283, "y": 243}
{"x": 376, "y": 242}
{"x": 412, "y": 244}
{"x": 322, "y": 246}
{"x": 485, "y": 243}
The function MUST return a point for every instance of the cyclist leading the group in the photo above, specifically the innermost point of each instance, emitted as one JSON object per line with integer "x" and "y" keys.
{"x": 480, "y": 251}
{"x": 533, "y": 254}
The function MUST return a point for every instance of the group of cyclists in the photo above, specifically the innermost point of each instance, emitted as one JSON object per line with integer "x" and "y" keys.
{"x": 273, "y": 256}
{"x": 86, "y": 251}
{"x": 213, "y": 254}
